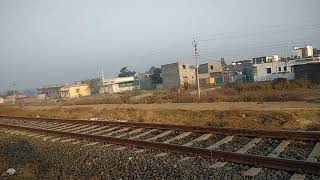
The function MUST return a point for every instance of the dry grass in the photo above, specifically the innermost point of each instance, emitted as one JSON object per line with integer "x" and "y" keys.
{"x": 302, "y": 119}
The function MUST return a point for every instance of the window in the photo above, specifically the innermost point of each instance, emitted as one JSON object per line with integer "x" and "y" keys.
{"x": 279, "y": 69}
{"x": 211, "y": 67}
{"x": 184, "y": 66}
{"x": 285, "y": 68}
{"x": 268, "y": 70}
{"x": 77, "y": 90}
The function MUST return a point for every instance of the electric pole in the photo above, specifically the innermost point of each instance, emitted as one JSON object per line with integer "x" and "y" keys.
{"x": 14, "y": 92}
{"x": 196, "y": 55}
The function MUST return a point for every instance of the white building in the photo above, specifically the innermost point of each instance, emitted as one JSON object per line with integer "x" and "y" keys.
{"x": 120, "y": 84}
{"x": 302, "y": 52}
{"x": 1, "y": 100}
{"x": 268, "y": 71}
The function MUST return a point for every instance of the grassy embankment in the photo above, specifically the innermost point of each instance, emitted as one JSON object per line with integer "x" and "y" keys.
{"x": 293, "y": 119}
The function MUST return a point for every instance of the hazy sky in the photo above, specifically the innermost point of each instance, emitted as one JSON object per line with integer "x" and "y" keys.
{"x": 51, "y": 41}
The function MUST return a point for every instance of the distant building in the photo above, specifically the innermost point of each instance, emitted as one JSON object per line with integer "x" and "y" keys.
{"x": 239, "y": 71}
{"x": 210, "y": 74}
{"x": 76, "y": 90}
{"x": 278, "y": 69}
{"x": 49, "y": 92}
{"x": 302, "y": 52}
{"x": 120, "y": 84}
{"x": 265, "y": 59}
{"x": 10, "y": 99}
{"x": 146, "y": 81}
{"x": 1, "y": 100}
{"x": 178, "y": 74}
{"x": 63, "y": 91}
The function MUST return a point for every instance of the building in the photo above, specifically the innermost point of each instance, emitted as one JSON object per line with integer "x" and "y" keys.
{"x": 239, "y": 71}
{"x": 265, "y": 59}
{"x": 50, "y": 92}
{"x": 1, "y": 100}
{"x": 278, "y": 69}
{"x": 146, "y": 81}
{"x": 63, "y": 91}
{"x": 309, "y": 71}
{"x": 178, "y": 74}
{"x": 120, "y": 84}
{"x": 302, "y": 52}
{"x": 76, "y": 90}
{"x": 11, "y": 99}
{"x": 210, "y": 74}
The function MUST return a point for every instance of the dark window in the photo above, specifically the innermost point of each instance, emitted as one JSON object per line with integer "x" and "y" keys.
{"x": 279, "y": 69}
{"x": 184, "y": 66}
{"x": 268, "y": 70}
{"x": 285, "y": 68}
{"x": 77, "y": 90}
{"x": 211, "y": 66}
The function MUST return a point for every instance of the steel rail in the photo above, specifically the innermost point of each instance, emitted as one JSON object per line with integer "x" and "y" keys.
{"x": 277, "y": 163}
{"x": 281, "y": 134}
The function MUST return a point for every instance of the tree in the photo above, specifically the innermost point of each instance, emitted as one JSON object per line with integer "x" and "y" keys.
{"x": 125, "y": 72}
{"x": 94, "y": 84}
{"x": 155, "y": 75}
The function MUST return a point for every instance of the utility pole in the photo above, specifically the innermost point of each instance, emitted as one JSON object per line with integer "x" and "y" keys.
{"x": 14, "y": 92}
{"x": 196, "y": 55}
{"x": 102, "y": 80}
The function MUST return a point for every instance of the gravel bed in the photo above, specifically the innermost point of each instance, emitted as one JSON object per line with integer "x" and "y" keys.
{"x": 187, "y": 139}
{"x": 152, "y": 134}
{"x": 312, "y": 177}
{"x": 210, "y": 141}
{"x": 267, "y": 173}
{"x": 36, "y": 159}
{"x": 298, "y": 150}
{"x": 264, "y": 147}
{"x": 169, "y": 136}
{"x": 236, "y": 144}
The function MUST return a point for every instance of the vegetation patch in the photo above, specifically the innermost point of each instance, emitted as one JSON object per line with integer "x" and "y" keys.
{"x": 293, "y": 119}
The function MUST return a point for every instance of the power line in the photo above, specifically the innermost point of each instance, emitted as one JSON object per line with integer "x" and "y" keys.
{"x": 307, "y": 22}
{"x": 239, "y": 35}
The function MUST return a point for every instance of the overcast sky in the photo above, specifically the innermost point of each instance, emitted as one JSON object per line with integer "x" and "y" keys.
{"x": 50, "y": 41}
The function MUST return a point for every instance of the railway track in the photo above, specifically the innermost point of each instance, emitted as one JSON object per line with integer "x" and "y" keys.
{"x": 294, "y": 151}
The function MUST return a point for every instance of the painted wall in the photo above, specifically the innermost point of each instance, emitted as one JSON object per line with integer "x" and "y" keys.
{"x": 75, "y": 91}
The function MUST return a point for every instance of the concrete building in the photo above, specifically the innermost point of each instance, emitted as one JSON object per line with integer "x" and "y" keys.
{"x": 146, "y": 81}
{"x": 50, "y": 92}
{"x": 1, "y": 100}
{"x": 239, "y": 71}
{"x": 74, "y": 91}
{"x": 278, "y": 69}
{"x": 178, "y": 74}
{"x": 210, "y": 74}
{"x": 265, "y": 59}
{"x": 302, "y": 52}
{"x": 120, "y": 84}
